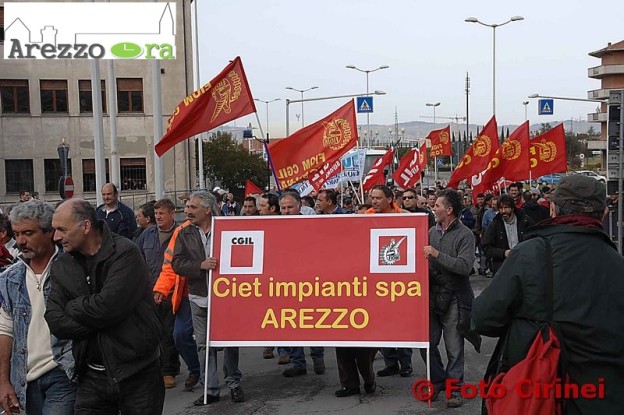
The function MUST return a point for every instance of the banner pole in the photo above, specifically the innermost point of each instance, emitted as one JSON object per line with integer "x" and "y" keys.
{"x": 428, "y": 372}
{"x": 208, "y": 303}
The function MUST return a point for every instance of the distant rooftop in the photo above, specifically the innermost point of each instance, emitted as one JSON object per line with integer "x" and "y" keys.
{"x": 611, "y": 47}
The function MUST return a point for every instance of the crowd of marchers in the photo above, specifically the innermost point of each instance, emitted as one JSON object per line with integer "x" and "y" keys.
{"x": 98, "y": 304}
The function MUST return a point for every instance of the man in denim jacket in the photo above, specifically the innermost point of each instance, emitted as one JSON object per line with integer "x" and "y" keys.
{"x": 41, "y": 366}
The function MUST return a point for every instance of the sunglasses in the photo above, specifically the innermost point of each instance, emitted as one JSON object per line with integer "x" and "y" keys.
{"x": 408, "y": 197}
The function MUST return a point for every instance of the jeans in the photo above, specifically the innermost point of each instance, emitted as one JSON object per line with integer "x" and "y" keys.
{"x": 453, "y": 341}
{"x": 393, "y": 356}
{"x": 141, "y": 394}
{"x": 230, "y": 354}
{"x": 169, "y": 358}
{"x": 297, "y": 355}
{"x": 183, "y": 338}
{"x": 53, "y": 393}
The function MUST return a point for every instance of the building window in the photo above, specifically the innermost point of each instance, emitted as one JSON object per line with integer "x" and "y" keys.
{"x": 19, "y": 175}
{"x": 1, "y": 24}
{"x": 14, "y": 96}
{"x": 132, "y": 174}
{"x": 88, "y": 175}
{"x": 85, "y": 96}
{"x": 53, "y": 173}
{"x": 129, "y": 95}
{"x": 53, "y": 95}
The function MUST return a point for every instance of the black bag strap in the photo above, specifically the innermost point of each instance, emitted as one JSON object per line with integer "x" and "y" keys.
{"x": 549, "y": 280}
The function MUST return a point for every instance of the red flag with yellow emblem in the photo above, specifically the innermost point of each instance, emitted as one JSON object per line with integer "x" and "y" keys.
{"x": 511, "y": 159}
{"x": 410, "y": 167}
{"x": 440, "y": 142}
{"x": 310, "y": 148}
{"x": 478, "y": 155}
{"x": 225, "y": 98}
{"x": 547, "y": 153}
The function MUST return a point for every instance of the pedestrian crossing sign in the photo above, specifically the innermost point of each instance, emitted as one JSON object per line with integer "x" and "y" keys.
{"x": 545, "y": 106}
{"x": 364, "y": 104}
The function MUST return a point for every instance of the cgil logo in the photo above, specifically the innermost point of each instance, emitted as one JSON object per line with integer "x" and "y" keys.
{"x": 242, "y": 241}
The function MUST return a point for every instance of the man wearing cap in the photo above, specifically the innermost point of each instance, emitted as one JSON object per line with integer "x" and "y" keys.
{"x": 588, "y": 294}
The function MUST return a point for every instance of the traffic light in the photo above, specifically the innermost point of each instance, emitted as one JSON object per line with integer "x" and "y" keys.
{"x": 248, "y": 133}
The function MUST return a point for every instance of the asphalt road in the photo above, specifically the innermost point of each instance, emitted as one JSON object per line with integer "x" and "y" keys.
{"x": 267, "y": 392}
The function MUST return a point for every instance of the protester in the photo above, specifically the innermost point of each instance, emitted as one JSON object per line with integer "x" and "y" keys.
{"x": 230, "y": 207}
{"x": 515, "y": 191}
{"x": 100, "y": 298}
{"x": 191, "y": 259}
{"x": 268, "y": 204}
{"x": 145, "y": 218}
{"x": 35, "y": 368}
{"x": 6, "y": 237}
{"x": 505, "y": 232}
{"x": 396, "y": 360}
{"x": 119, "y": 217}
{"x": 152, "y": 243}
{"x": 532, "y": 209}
{"x": 290, "y": 204}
{"x": 451, "y": 255}
{"x": 588, "y": 297}
{"x": 249, "y": 207}
{"x": 327, "y": 201}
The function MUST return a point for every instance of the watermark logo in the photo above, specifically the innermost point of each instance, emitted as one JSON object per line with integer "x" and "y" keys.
{"x": 90, "y": 30}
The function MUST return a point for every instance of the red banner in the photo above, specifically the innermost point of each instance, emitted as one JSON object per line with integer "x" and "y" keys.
{"x": 478, "y": 155}
{"x": 319, "y": 177}
{"x": 511, "y": 160}
{"x": 547, "y": 153}
{"x": 440, "y": 142}
{"x": 251, "y": 188}
{"x": 352, "y": 300}
{"x": 410, "y": 167}
{"x": 225, "y": 98}
{"x": 376, "y": 174}
{"x": 325, "y": 141}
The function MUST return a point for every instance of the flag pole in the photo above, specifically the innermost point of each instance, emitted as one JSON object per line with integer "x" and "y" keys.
{"x": 266, "y": 149}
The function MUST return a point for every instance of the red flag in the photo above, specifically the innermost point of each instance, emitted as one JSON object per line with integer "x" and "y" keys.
{"x": 440, "y": 142}
{"x": 478, "y": 155}
{"x": 376, "y": 174}
{"x": 319, "y": 177}
{"x": 325, "y": 141}
{"x": 251, "y": 188}
{"x": 408, "y": 172}
{"x": 225, "y": 98}
{"x": 547, "y": 153}
{"x": 511, "y": 159}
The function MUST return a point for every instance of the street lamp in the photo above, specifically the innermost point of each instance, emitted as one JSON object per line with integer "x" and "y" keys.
{"x": 434, "y": 109}
{"x": 302, "y": 91}
{"x": 493, "y": 26}
{"x": 267, "y": 112}
{"x": 567, "y": 98}
{"x": 367, "y": 71}
{"x": 525, "y": 103}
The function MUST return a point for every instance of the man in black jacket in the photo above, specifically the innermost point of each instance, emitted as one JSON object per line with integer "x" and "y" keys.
{"x": 101, "y": 299}
{"x": 588, "y": 296}
{"x": 506, "y": 231}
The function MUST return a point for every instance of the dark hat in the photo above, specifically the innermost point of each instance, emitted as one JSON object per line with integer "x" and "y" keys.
{"x": 580, "y": 193}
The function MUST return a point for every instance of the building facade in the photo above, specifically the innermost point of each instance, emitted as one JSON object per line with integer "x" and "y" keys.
{"x": 45, "y": 102}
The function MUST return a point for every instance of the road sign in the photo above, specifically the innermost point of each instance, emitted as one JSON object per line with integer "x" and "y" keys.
{"x": 66, "y": 187}
{"x": 545, "y": 107}
{"x": 364, "y": 104}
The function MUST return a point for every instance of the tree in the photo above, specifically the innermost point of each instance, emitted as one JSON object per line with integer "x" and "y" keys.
{"x": 226, "y": 161}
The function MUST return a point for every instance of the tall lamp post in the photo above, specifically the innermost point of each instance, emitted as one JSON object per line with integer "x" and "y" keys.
{"x": 434, "y": 105}
{"x": 367, "y": 71}
{"x": 301, "y": 91}
{"x": 267, "y": 112}
{"x": 526, "y": 116}
{"x": 493, "y": 26}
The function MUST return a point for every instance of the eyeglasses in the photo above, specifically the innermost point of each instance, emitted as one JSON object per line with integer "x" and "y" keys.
{"x": 408, "y": 197}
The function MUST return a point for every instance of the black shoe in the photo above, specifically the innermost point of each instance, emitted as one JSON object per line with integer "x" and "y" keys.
{"x": 370, "y": 387}
{"x": 405, "y": 371}
{"x": 389, "y": 371}
{"x": 319, "y": 366}
{"x": 237, "y": 394}
{"x": 344, "y": 392}
{"x": 209, "y": 399}
{"x": 291, "y": 372}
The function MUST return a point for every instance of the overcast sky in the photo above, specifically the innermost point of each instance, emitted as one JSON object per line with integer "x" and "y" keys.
{"x": 427, "y": 46}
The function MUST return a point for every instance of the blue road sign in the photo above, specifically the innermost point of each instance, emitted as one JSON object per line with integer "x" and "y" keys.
{"x": 364, "y": 104}
{"x": 545, "y": 107}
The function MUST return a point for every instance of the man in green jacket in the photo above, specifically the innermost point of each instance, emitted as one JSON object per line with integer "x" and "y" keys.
{"x": 588, "y": 296}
